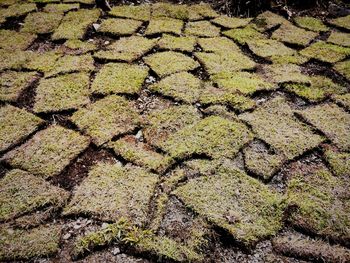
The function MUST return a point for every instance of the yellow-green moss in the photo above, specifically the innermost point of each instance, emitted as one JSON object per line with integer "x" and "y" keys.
{"x": 161, "y": 203}
{"x": 326, "y": 52}
{"x": 164, "y": 25}
{"x": 343, "y": 22}
{"x": 293, "y": 35}
{"x": 267, "y": 21}
{"x": 267, "y": 48}
{"x": 231, "y": 22}
{"x": 18, "y": 9}
{"x": 284, "y": 73}
{"x": 177, "y": 43}
{"x": 15, "y": 125}
{"x": 204, "y": 167}
{"x": 343, "y": 68}
{"x": 338, "y": 38}
{"x": 311, "y": 23}
{"x": 339, "y": 161}
{"x": 119, "y": 27}
{"x": 71, "y": 63}
{"x": 201, "y": 10}
{"x": 60, "y": 7}
{"x": 12, "y": 40}
{"x": 48, "y": 152}
{"x": 86, "y": 2}
{"x": 242, "y": 35}
{"x": 170, "y": 10}
{"x": 296, "y": 58}
{"x": 138, "y": 12}
{"x": 43, "y": 62}
{"x": 41, "y": 22}
{"x": 79, "y": 47}
{"x": 218, "y": 44}
{"x": 202, "y": 29}
{"x": 12, "y": 59}
{"x": 343, "y": 100}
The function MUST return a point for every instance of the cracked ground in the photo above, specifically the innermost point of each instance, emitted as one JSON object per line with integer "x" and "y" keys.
{"x": 172, "y": 133}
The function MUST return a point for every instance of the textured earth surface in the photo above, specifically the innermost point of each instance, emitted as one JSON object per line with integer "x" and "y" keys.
{"x": 172, "y": 133}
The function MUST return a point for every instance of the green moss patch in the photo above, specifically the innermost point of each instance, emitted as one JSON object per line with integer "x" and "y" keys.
{"x": 26, "y": 244}
{"x": 284, "y": 73}
{"x": 166, "y": 63}
{"x": 201, "y": 10}
{"x": 12, "y": 84}
{"x": 48, "y": 152}
{"x": 18, "y": 9}
{"x": 77, "y": 46}
{"x": 213, "y": 136}
{"x": 311, "y": 23}
{"x": 202, "y": 29}
{"x": 320, "y": 200}
{"x": 138, "y": 12}
{"x": 65, "y": 92}
{"x": 275, "y": 123}
{"x": 343, "y": 68}
{"x": 181, "y": 86}
{"x": 339, "y": 161}
{"x": 12, "y": 60}
{"x": 41, "y": 22}
{"x": 86, "y": 2}
{"x": 231, "y": 22}
{"x": 338, "y": 38}
{"x": 171, "y": 11}
{"x": 249, "y": 215}
{"x": 333, "y": 121}
{"x": 343, "y": 22}
{"x": 106, "y": 118}
{"x": 111, "y": 192}
{"x": 75, "y": 24}
{"x": 293, "y": 35}
{"x": 296, "y": 58}
{"x": 71, "y": 63}
{"x": 243, "y": 35}
{"x": 16, "y": 124}
{"x": 164, "y": 25}
{"x": 343, "y": 100}
{"x": 23, "y": 193}
{"x": 12, "y": 40}
{"x": 60, "y": 7}
{"x": 326, "y": 52}
{"x": 119, "y": 78}
{"x": 119, "y": 27}
{"x": 218, "y": 44}
{"x": 267, "y": 48}
{"x": 42, "y": 62}
{"x": 140, "y": 154}
{"x": 177, "y": 43}
{"x": 160, "y": 124}
{"x": 268, "y": 20}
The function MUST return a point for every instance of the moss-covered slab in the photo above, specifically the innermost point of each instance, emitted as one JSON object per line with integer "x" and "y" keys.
{"x": 320, "y": 200}
{"x": 175, "y": 43}
{"x": 268, "y": 20}
{"x": 160, "y": 124}
{"x": 338, "y": 161}
{"x": 127, "y": 49}
{"x": 181, "y": 86}
{"x": 18, "y": 9}
{"x": 65, "y": 92}
{"x": 203, "y": 10}
{"x": 320, "y": 88}
{"x": 284, "y": 73}
{"x": 41, "y": 22}
{"x": 311, "y": 23}
{"x": 13, "y": 83}
{"x": 23, "y": 193}
{"x": 213, "y": 136}
{"x": 76, "y": 46}
{"x": 139, "y": 153}
{"x": 267, "y": 48}
{"x": 243, "y": 206}
{"x": 42, "y": 62}
{"x": 111, "y": 192}
{"x": 338, "y": 38}
{"x": 275, "y": 123}
{"x": 343, "y": 22}
{"x": 37, "y": 242}
{"x": 12, "y": 40}
{"x": 138, "y": 12}
{"x": 168, "y": 62}
{"x": 48, "y": 152}
{"x": 293, "y": 35}
{"x": 12, "y": 60}
{"x": 343, "y": 100}
{"x": 75, "y": 24}
{"x": 242, "y": 82}
{"x": 343, "y": 68}
{"x": 164, "y": 25}
{"x": 107, "y": 118}
{"x": 326, "y": 52}
{"x": 296, "y": 58}
{"x": 224, "y": 62}
{"x": 162, "y": 9}
{"x": 332, "y": 120}
{"x": 60, "y": 7}
{"x": 218, "y": 44}
{"x": 231, "y": 22}
{"x": 243, "y": 35}
{"x": 202, "y": 29}
{"x": 15, "y": 125}
{"x": 72, "y": 63}
{"x": 119, "y": 27}
{"x": 119, "y": 78}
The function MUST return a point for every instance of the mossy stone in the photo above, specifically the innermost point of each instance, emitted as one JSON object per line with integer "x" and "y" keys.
{"x": 202, "y": 29}
{"x": 343, "y": 100}
{"x": 296, "y": 58}
{"x": 170, "y": 10}
{"x": 71, "y": 63}
{"x": 86, "y": 2}
{"x": 18, "y": 9}
{"x": 326, "y": 52}
{"x": 267, "y": 48}
{"x": 343, "y": 22}
{"x": 174, "y": 43}
{"x": 343, "y": 68}
{"x": 60, "y": 7}
{"x": 311, "y": 23}
{"x": 16, "y": 124}
{"x": 339, "y": 161}
{"x": 284, "y": 73}
{"x": 231, "y": 22}
{"x": 42, "y": 62}
{"x": 48, "y": 152}
{"x": 13, "y": 60}
{"x": 164, "y": 25}
{"x": 291, "y": 34}
{"x": 138, "y": 12}
{"x": 79, "y": 47}
{"x": 12, "y": 40}
{"x": 339, "y": 38}
{"x": 202, "y": 10}
{"x": 41, "y": 22}
{"x": 268, "y": 20}
{"x": 119, "y": 27}
{"x": 243, "y": 35}
{"x": 218, "y": 44}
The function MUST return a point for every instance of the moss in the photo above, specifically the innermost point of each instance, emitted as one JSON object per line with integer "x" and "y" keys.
{"x": 202, "y": 29}
{"x": 218, "y": 44}
{"x": 71, "y": 63}
{"x": 181, "y": 86}
{"x": 267, "y": 21}
{"x": 48, "y": 152}
{"x": 338, "y": 38}
{"x": 170, "y": 42}
{"x": 293, "y": 35}
{"x": 18, "y": 9}
{"x": 13, "y": 83}
{"x": 112, "y": 192}
{"x": 138, "y": 12}
{"x": 342, "y": 22}
{"x": 12, "y": 59}
{"x": 343, "y": 68}
{"x": 267, "y": 48}
{"x": 25, "y": 244}
{"x": 289, "y": 59}
{"x": 127, "y": 49}
{"x": 333, "y": 121}
{"x": 106, "y": 118}
{"x": 339, "y": 161}
{"x": 213, "y": 136}
{"x": 119, "y": 78}
{"x": 16, "y": 124}
{"x": 203, "y": 166}
{"x": 320, "y": 202}
{"x": 80, "y": 47}
{"x": 60, "y": 7}
{"x": 231, "y": 22}
{"x": 326, "y": 52}
{"x": 41, "y": 22}
{"x": 170, "y": 10}
{"x": 243, "y": 35}
{"x": 140, "y": 154}
{"x": 204, "y": 10}
{"x": 275, "y": 123}
{"x": 343, "y": 100}
{"x": 249, "y": 215}
{"x": 161, "y": 124}
{"x": 159, "y": 63}
{"x": 311, "y": 23}
{"x": 42, "y": 62}
{"x": 24, "y": 193}
{"x": 242, "y": 82}
{"x": 164, "y": 25}
{"x": 119, "y": 27}
{"x": 12, "y": 40}
{"x": 86, "y": 2}
{"x": 319, "y": 89}
{"x": 65, "y": 92}
{"x": 75, "y": 24}
{"x": 284, "y": 73}
{"x": 220, "y": 110}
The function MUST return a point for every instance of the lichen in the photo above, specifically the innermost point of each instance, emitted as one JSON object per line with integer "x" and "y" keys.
{"x": 202, "y": 29}
{"x": 119, "y": 27}
{"x": 338, "y": 38}
{"x": 41, "y": 22}
{"x": 293, "y": 35}
{"x": 138, "y": 12}
{"x": 231, "y": 22}
{"x": 174, "y": 43}
{"x": 243, "y": 35}
{"x": 311, "y": 23}
{"x": 326, "y": 52}
{"x": 164, "y": 25}
{"x": 12, "y": 40}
